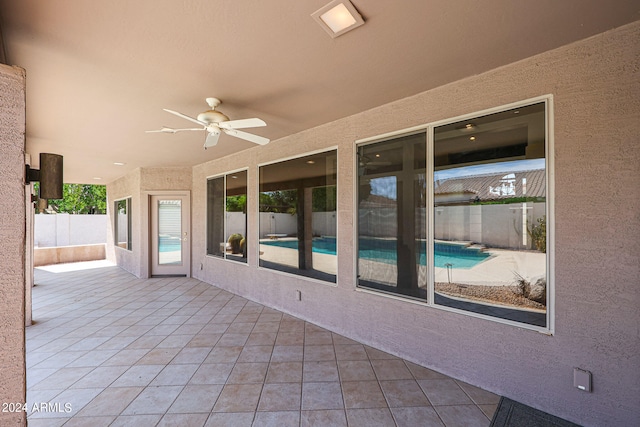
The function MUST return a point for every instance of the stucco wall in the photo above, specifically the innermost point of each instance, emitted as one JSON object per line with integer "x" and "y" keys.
{"x": 12, "y": 236}
{"x": 596, "y": 88}
{"x": 138, "y": 185}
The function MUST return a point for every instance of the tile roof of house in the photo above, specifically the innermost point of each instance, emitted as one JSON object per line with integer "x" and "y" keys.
{"x": 496, "y": 186}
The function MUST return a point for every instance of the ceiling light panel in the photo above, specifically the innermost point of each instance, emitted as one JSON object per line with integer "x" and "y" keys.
{"x": 338, "y": 17}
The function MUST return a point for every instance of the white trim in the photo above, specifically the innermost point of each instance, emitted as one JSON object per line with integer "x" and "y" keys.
{"x": 333, "y": 148}
{"x": 393, "y": 135}
{"x": 297, "y": 156}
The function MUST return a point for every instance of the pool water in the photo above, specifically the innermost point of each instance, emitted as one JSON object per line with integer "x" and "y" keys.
{"x": 457, "y": 256}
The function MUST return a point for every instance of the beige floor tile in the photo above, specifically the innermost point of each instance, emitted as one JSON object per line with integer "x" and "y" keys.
{"x": 222, "y": 354}
{"x": 290, "y": 338}
{"x": 102, "y": 376}
{"x": 158, "y": 356}
{"x": 391, "y": 369}
{"x": 403, "y": 393}
{"x": 478, "y": 395}
{"x": 372, "y": 417}
{"x": 255, "y": 353}
{"x": 416, "y": 416}
{"x": 422, "y": 373}
{"x": 323, "y": 418}
{"x": 87, "y": 421}
{"x": 462, "y": 415}
{"x": 326, "y": 395}
{"x": 444, "y": 392}
{"x": 277, "y": 419}
{"x": 350, "y": 352}
{"x": 112, "y": 401}
{"x": 280, "y": 397}
{"x": 190, "y": 355}
{"x": 175, "y": 375}
{"x": 320, "y": 371}
{"x": 356, "y": 370}
{"x": 186, "y": 420}
{"x": 244, "y": 373}
{"x": 262, "y": 339}
{"x": 239, "y": 419}
{"x": 314, "y": 353}
{"x": 138, "y": 375}
{"x": 153, "y": 400}
{"x": 318, "y": 338}
{"x": 212, "y": 373}
{"x": 196, "y": 399}
{"x": 287, "y": 353}
{"x": 284, "y": 372}
{"x": 238, "y": 398}
{"x": 136, "y": 421}
{"x": 363, "y": 394}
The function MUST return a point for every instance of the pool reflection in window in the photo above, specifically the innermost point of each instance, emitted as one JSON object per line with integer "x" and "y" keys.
{"x": 298, "y": 216}
{"x": 490, "y": 197}
{"x": 391, "y": 216}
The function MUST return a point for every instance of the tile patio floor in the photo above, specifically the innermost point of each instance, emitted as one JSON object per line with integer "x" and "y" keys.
{"x": 123, "y": 351}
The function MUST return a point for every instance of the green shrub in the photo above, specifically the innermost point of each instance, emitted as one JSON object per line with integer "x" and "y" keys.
{"x": 538, "y": 234}
{"x": 234, "y": 242}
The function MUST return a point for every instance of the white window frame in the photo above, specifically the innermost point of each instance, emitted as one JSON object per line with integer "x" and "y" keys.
{"x": 429, "y": 128}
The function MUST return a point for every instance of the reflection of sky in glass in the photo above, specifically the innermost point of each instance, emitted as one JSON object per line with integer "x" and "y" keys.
{"x": 490, "y": 168}
{"x": 386, "y": 186}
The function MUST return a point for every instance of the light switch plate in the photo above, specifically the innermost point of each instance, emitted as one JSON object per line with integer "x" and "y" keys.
{"x": 582, "y": 379}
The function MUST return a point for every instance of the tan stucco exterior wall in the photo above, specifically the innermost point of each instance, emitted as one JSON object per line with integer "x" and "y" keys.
{"x": 139, "y": 185}
{"x": 595, "y": 85}
{"x": 12, "y": 246}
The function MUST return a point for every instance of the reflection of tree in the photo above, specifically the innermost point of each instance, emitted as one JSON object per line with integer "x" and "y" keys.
{"x": 279, "y": 201}
{"x": 237, "y": 203}
{"x": 324, "y": 199}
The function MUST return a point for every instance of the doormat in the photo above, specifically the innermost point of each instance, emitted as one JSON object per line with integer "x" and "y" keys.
{"x": 513, "y": 414}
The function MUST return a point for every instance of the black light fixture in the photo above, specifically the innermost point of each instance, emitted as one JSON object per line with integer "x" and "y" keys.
{"x": 49, "y": 175}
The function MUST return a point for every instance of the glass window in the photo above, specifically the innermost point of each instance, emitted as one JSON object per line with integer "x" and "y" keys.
{"x": 227, "y": 216}
{"x": 298, "y": 216}
{"x": 122, "y": 223}
{"x": 392, "y": 192}
{"x": 490, "y": 215}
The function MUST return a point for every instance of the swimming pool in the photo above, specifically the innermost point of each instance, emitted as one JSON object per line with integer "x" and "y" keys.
{"x": 383, "y": 250}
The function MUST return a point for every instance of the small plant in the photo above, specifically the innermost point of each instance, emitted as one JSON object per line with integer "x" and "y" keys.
{"x": 523, "y": 286}
{"x": 234, "y": 241}
{"x": 538, "y": 233}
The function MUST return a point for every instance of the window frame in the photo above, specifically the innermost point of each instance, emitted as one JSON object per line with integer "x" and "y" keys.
{"x": 257, "y": 211}
{"x": 224, "y": 177}
{"x": 429, "y": 129}
{"x": 128, "y": 201}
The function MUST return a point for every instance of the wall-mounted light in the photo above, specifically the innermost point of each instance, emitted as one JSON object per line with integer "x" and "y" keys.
{"x": 338, "y": 17}
{"x": 49, "y": 175}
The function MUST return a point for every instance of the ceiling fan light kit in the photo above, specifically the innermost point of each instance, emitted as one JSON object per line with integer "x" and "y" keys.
{"x": 215, "y": 122}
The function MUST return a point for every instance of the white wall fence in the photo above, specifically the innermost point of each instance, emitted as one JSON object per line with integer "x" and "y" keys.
{"x": 69, "y": 230}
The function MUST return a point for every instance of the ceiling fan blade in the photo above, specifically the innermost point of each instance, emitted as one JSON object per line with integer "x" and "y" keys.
{"x": 163, "y": 129}
{"x": 248, "y": 136}
{"x": 212, "y": 140}
{"x": 243, "y": 123}
{"x": 191, "y": 119}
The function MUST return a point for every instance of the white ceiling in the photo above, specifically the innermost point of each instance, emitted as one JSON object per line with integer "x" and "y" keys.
{"x": 100, "y": 72}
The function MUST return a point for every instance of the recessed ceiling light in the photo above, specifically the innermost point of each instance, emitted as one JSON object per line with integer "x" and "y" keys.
{"x": 473, "y": 138}
{"x": 338, "y": 17}
{"x": 310, "y": 162}
{"x": 377, "y": 155}
{"x": 119, "y": 163}
{"x": 97, "y": 178}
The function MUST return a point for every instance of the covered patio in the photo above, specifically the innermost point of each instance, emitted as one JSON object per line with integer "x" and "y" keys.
{"x": 109, "y": 349}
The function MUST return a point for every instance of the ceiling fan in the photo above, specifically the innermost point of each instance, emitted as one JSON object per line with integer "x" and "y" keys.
{"x": 214, "y": 122}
